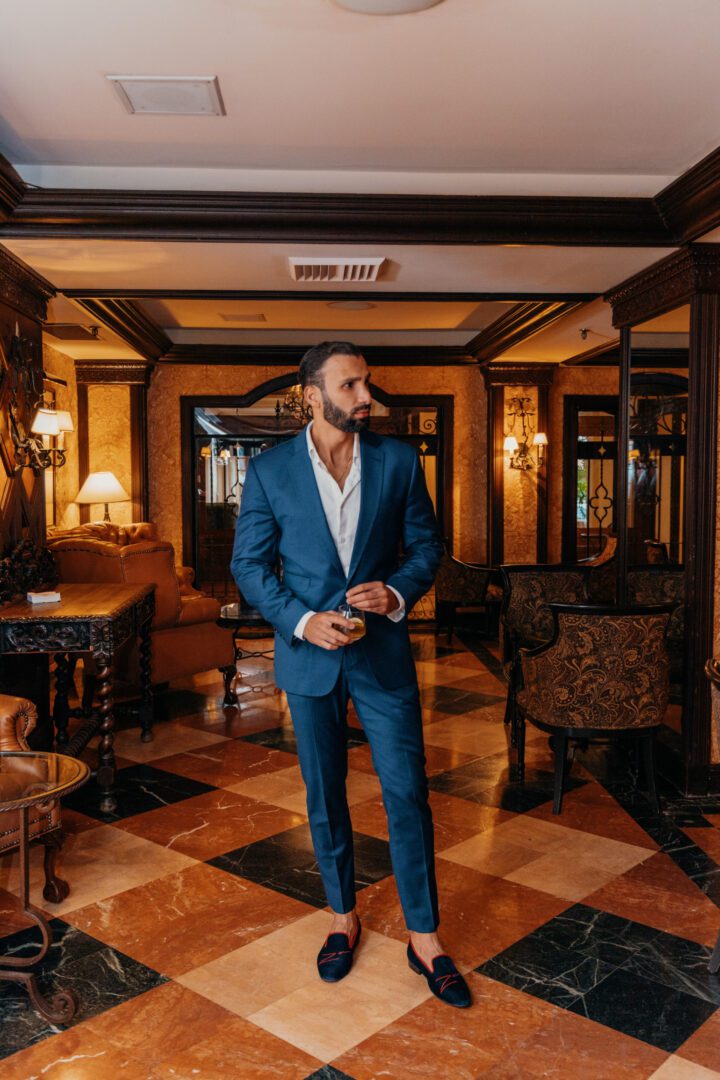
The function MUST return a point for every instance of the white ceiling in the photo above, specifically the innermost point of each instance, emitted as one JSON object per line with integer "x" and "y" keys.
{"x": 487, "y": 96}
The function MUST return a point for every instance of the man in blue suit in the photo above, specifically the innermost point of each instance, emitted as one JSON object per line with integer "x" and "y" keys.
{"x": 335, "y": 507}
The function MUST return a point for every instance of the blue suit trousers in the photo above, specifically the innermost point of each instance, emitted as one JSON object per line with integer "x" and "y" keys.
{"x": 392, "y": 721}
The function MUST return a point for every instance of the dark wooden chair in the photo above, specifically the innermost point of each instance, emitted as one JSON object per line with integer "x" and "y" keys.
{"x": 465, "y": 585}
{"x": 604, "y": 675}
{"x": 526, "y": 620}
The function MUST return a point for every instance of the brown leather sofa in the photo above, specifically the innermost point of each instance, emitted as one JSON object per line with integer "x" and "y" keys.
{"x": 18, "y": 717}
{"x": 185, "y": 637}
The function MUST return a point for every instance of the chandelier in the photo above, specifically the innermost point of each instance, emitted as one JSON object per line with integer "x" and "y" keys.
{"x": 294, "y": 406}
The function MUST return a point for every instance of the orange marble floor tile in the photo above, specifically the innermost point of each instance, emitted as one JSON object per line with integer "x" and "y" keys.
{"x": 257, "y": 715}
{"x": 593, "y": 810}
{"x": 703, "y": 1047}
{"x": 659, "y": 894}
{"x": 74, "y": 822}
{"x": 708, "y": 840}
{"x": 433, "y": 1041}
{"x": 186, "y": 919}
{"x": 211, "y": 824}
{"x": 454, "y": 819}
{"x": 176, "y": 1016}
{"x": 11, "y": 916}
{"x": 571, "y": 1047}
{"x": 437, "y": 759}
{"x": 51, "y": 1058}
{"x": 227, "y": 763}
{"x": 239, "y": 1050}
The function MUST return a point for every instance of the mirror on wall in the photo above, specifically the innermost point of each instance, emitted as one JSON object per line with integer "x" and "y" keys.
{"x": 658, "y": 419}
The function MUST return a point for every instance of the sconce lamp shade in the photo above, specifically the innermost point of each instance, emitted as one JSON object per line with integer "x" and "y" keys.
{"x": 540, "y": 439}
{"x": 65, "y": 422}
{"x": 102, "y": 487}
{"x": 510, "y": 446}
{"x": 45, "y": 423}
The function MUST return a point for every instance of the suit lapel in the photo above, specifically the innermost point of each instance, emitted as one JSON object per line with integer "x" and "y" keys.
{"x": 371, "y": 475}
{"x": 302, "y": 477}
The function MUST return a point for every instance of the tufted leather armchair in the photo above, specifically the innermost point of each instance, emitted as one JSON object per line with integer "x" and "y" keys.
{"x": 18, "y": 717}
{"x": 185, "y": 637}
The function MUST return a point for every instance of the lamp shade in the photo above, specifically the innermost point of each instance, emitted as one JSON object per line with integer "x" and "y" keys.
{"x": 45, "y": 423}
{"x": 511, "y": 444}
{"x": 65, "y": 422}
{"x": 102, "y": 487}
{"x": 540, "y": 439}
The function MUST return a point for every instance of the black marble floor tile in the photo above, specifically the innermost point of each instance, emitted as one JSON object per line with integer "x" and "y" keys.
{"x": 138, "y": 788}
{"x": 597, "y": 934}
{"x": 651, "y": 1011}
{"x": 679, "y": 964}
{"x": 545, "y": 970}
{"x": 491, "y": 786}
{"x": 286, "y": 862}
{"x": 101, "y": 977}
{"x": 328, "y": 1072}
{"x": 283, "y": 738}
{"x": 455, "y": 700}
{"x": 478, "y": 648}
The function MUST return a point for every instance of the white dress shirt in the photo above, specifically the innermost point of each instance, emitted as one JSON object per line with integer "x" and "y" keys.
{"x": 342, "y": 511}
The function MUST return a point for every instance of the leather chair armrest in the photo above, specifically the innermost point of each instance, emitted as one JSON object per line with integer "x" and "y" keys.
{"x": 18, "y": 717}
{"x": 186, "y": 576}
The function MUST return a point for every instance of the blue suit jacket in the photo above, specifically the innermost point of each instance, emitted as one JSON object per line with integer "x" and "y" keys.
{"x": 282, "y": 519}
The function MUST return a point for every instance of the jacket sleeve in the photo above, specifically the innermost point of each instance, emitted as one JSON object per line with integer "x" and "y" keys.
{"x": 254, "y": 560}
{"x": 421, "y": 542}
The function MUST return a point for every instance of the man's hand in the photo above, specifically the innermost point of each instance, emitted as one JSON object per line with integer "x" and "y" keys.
{"x": 322, "y": 629}
{"x": 373, "y": 596}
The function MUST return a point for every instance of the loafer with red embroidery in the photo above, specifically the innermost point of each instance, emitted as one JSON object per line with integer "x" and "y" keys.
{"x": 444, "y": 980}
{"x": 336, "y": 956}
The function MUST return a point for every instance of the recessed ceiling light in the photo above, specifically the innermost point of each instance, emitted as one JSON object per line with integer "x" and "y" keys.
{"x": 351, "y": 305}
{"x": 386, "y": 7}
{"x": 169, "y": 95}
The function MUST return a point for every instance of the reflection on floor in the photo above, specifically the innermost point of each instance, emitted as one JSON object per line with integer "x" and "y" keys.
{"x": 196, "y": 912}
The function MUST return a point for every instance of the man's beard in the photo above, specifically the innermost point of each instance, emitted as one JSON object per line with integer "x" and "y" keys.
{"x": 342, "y": 420}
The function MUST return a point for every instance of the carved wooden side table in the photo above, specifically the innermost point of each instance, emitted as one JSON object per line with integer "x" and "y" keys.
{"x": 34, "y": 778}
{"x": 95, "y": 619}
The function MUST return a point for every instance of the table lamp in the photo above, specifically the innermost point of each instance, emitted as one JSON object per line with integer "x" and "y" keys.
{"x": 102, "y": 487}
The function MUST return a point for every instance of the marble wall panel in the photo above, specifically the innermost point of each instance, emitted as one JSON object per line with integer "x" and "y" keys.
{"x": 109, "y": 443}
{"x": 171, "y": 381}
{"x": 67, "y": 479}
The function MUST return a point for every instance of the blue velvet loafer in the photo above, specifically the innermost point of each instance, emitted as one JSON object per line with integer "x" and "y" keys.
{"x": 336, "y": 956}
{"x": 444, "y": 980}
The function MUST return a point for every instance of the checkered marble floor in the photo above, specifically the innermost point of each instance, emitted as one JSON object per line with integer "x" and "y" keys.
{"x": 196, "y": 911}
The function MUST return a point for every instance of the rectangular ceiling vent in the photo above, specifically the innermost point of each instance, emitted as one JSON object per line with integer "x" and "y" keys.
{"x": 232, "y": 316}
{"x": 336, "y": 269}
{"x": 71, "y": 331}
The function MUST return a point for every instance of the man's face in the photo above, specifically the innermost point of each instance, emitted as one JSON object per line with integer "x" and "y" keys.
{"x": 344, "y": 399}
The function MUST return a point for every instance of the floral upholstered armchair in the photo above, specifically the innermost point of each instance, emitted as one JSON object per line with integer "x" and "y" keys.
{"x": 465, "y": 585}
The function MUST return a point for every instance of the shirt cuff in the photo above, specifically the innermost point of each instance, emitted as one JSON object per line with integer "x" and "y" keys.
{"x": 399, "y": 612}
{"x": 299, "y": 631}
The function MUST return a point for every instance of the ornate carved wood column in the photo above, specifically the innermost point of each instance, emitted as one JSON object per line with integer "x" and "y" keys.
{"x": 691, "y": 275}
{"x": 517, "y": 501}
{"x": 135, "y": 375}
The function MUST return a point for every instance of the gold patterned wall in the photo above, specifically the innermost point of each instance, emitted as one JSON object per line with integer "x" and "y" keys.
{"x": 520, "y": 491}
{"x": 67, "y": 480}
{"x": 109, "y": 442}
{"x": 171, "y": 381}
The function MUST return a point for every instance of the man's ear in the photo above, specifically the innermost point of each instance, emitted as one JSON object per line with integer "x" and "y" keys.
{"x": 312, "y": 396}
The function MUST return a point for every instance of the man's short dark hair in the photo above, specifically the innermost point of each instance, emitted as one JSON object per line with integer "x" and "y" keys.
{"x": 314, "y": 360}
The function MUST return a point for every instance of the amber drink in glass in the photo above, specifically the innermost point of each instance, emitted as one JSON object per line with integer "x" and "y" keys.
{"x": 357, "y": 618}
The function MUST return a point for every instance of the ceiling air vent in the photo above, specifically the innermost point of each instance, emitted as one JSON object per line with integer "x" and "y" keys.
{"x": 71, "y": 331}
{"x": 335, "y": 269}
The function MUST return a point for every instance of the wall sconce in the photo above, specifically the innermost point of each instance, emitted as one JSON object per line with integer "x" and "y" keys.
{"x": 32, "y": 448}
{"x": 521, "y": 411}
{"x": 294, "y": 406}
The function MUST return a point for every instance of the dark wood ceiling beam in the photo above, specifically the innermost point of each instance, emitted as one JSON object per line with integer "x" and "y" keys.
{"x": 323, "y": 295}
{"x": 330, "y": 218}
{"x": 289, "y": 355}
{"x": 12, "y": 189}
{"x": 130, "y": 323}
{"x": 518, "y": 324}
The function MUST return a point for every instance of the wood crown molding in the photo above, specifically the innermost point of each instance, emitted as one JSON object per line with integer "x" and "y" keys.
{"x": 690, "y": 205}
{"x": 518, "y": 324}
{"x": 22, "y": 288}
{"x": 262, "y": 217}
{"x": 539, "y": 374}
{"x": 12, "y": 189}
{"x": 665, "y": 285}
{"x": 130, "y": 323}
{"x": 290, "y": 355}
{"x": 128, "y": 372}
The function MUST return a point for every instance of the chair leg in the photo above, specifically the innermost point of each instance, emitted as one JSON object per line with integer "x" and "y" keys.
{"x": 520, "y": 739}
{"x": 451, "y": 622}
{"x": 560, "y": 749}
{"x": 648, "y": 749}
{"x": 55, "y": 890}
{"x": 714, "y": 963}
{"x": 229, "y": 673}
